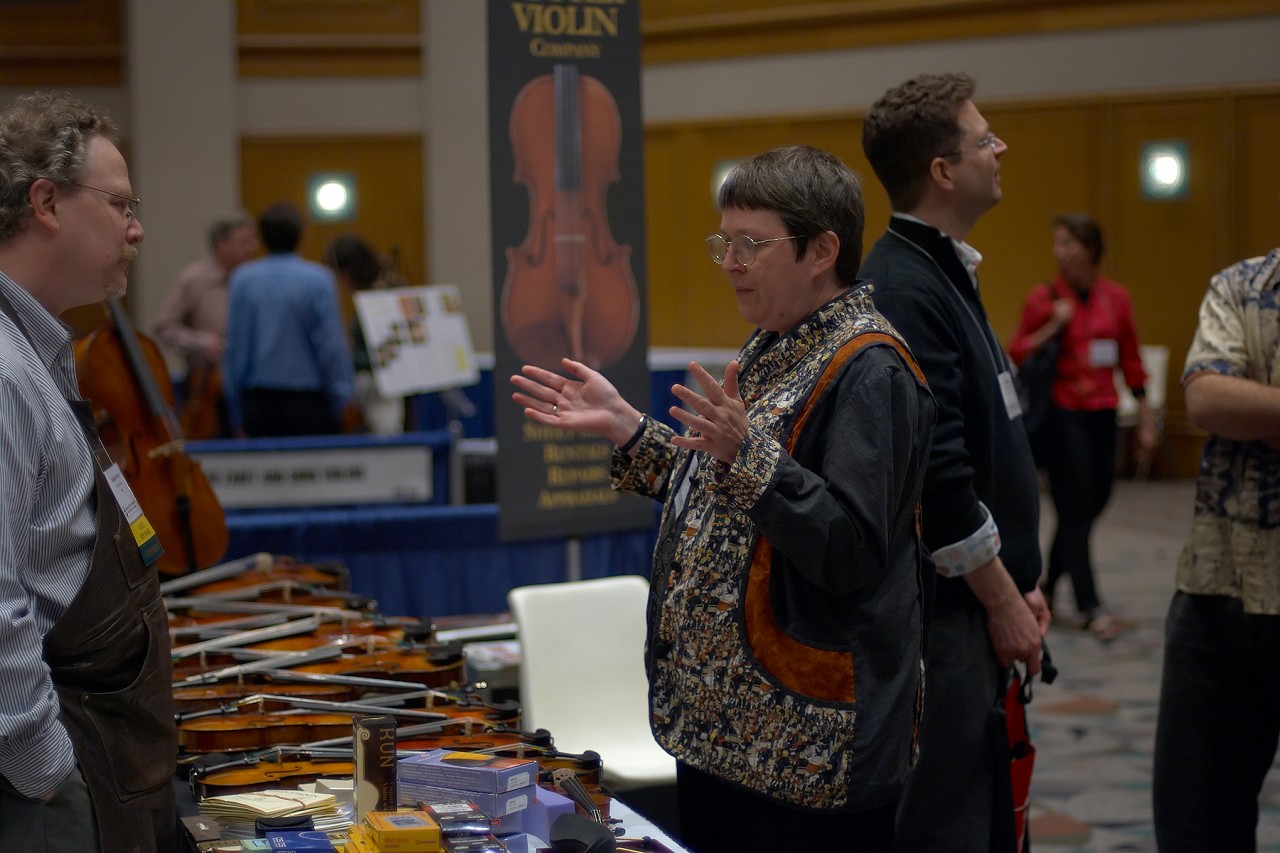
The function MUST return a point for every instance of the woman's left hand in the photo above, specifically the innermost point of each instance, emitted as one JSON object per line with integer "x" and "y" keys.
{"x": 717, "y": 417}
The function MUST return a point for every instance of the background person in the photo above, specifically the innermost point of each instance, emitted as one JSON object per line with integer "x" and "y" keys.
{"x": 359, "y": 268}
{"x": 286, "y": 370}
{"x": 87, "y": 740}
{"x": 1094, "y": 317}
{"x": 193, "y": 318}
{"x": 1219, "y": 716}
{"x": 939, "y": 161}
{"x": 787, "y": 568}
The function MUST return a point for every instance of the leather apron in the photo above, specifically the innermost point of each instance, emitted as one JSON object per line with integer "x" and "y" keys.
{"x": 108, "y": 657}
{"x": 109, "y": 660}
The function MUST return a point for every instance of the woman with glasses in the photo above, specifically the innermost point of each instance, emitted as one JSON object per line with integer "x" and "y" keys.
{"x": 1093, "y": 318}
{"x": 785, "y": 618}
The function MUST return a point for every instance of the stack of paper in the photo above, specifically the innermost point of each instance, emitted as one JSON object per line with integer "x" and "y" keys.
{"x": 238, "y": 812}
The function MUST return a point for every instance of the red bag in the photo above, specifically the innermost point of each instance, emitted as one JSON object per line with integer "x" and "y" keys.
{"x": 1022, "y": 754}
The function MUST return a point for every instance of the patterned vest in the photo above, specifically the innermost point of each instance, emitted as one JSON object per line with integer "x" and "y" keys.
{"x": 731, "y": 694}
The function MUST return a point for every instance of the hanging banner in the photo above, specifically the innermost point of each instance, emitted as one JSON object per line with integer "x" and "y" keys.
{"x": 566, "y": 142}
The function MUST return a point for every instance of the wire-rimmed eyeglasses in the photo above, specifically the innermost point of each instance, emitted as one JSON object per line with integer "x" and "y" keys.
{"x": 130, "y": 203}
{"x": 985, "y": 142}
{"x": 744, "y": 248}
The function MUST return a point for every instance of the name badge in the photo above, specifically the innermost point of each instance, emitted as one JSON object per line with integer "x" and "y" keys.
{"x": 143, "y": 533}
{"x": 1104, "y": 352}
{"x": 1009, "y": 392}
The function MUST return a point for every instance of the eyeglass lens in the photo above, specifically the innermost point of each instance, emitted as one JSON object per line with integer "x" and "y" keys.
{"x": 744, "y": 248}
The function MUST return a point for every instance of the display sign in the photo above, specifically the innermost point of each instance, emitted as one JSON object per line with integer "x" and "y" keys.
{"x": 319, "y": 477}
{"x": 418, "y": 339}
{"x": 567, "y": 192}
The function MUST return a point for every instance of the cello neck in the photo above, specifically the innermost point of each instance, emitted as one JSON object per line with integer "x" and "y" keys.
{"x": 141, "y": 371}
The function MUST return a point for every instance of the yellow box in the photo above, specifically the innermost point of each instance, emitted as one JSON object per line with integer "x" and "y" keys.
{"x": 359, "y": 840}
{"x": 403, "y": 831}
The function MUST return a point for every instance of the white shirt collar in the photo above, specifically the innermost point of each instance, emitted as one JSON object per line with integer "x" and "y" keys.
{"x": 968, "y": 255}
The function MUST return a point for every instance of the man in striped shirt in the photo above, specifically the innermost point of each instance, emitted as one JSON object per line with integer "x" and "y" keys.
{"x": 86, "y": 724}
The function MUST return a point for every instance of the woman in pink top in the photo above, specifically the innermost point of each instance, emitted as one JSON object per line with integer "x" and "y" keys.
{"x": 1094, "y": 317}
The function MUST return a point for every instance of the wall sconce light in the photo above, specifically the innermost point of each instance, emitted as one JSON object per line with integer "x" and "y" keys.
{"x": 719, "y": 172}
{"x": 1163, "y": 170}
{"x": 331, "y": 196}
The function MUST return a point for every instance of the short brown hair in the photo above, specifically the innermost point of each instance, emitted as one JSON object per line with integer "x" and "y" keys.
{"x": 812, "y": 192}
{"x": 43, "y": 135}
{"x": 1086, "y": 229}
{"x": 910, "y": 125}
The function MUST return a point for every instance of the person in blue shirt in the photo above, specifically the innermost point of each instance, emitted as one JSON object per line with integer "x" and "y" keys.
{"x": 286, "y": 369}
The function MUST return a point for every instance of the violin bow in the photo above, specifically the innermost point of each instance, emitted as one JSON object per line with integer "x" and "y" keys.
{"x": 261, "y": 561}
{"x": 276, "y": 660}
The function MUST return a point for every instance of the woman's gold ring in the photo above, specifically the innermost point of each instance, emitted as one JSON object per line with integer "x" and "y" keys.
{"x": 555, "y": 409}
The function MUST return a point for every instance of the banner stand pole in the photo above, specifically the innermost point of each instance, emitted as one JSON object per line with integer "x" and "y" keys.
{"x": 573, "y": 559}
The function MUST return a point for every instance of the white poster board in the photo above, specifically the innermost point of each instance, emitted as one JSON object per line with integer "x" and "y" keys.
{"x": 418, "y": 339}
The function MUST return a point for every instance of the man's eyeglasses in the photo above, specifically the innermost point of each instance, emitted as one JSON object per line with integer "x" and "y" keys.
{"x": 744, "y": 248}
{"x": 130, "y": 203}
{"x": 985, "y": 142}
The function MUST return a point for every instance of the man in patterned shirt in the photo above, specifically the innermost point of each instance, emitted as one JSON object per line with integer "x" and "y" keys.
{"x": 1220, "y": 697}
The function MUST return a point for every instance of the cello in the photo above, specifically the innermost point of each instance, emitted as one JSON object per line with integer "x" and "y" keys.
{"x": 569, "y": 289}
{"x": 198, "y": 418}
{"x": 121, "y": 374}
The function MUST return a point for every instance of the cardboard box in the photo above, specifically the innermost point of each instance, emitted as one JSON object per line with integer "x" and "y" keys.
{"x": 468, "y": 771}
{"x": 306, "y": 841}
{"x": 359, "y": 839}
{"x": 374, "y": 782}
{"x": 506, "y": 810}
{"x": 474, "y": 844}
{"x": 402, "y": 831}
{"x": 544, "y": 811}
{"x": 458, "y": 816}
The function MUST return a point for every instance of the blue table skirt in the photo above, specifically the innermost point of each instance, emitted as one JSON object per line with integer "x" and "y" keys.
{"x": 425, "y": 560}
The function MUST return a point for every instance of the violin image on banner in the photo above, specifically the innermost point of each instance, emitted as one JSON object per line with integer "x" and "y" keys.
{"x": 124, "y": 377}
{"x": 569, "y": 289}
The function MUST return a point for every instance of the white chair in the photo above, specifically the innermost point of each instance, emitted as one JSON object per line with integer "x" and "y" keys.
{"x": 1155, "y": 361}
{"x": 582, "y": 674}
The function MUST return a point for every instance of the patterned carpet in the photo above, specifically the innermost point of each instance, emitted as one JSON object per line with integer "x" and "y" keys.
{"x": 1094, "y": 728}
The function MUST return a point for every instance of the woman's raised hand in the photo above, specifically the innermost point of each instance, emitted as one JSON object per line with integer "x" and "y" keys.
{"x": 585, "y": 401}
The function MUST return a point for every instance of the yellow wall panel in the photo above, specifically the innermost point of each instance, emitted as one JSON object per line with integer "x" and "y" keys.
{"x": 1257, "y": 207}
{"x": 388, "y": 173}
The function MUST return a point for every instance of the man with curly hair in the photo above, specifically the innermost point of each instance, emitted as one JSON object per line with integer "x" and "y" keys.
{"x": 87, "y": 741}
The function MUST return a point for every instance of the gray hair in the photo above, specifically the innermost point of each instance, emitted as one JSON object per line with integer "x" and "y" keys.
{"x": 43, "y": 135}
{"x": 811, "y": 190}
{"x": 221, "y": 228}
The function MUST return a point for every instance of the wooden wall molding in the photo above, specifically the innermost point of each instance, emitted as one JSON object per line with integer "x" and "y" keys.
{"x": 329, "y": 38}
{"x": 690, "y": 30}
{"x": 71, "y": 43}
{"x": 307, "y": 55}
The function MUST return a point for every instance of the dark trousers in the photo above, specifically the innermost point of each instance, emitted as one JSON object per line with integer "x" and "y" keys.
{"x": 1081, "y": 464}
{"x": 62, "y": 825}
{"x": 954, "y": 801}
{"x": 1218, "y": 724}
{"x": 717, "y": 816}
{"x": 284, "y": 411}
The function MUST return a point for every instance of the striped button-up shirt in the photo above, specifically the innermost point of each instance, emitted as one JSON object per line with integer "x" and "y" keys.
{"x": 48, "y": 523}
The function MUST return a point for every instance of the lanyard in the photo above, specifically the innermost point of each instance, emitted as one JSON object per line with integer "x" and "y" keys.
{"x": 993, "y": 347}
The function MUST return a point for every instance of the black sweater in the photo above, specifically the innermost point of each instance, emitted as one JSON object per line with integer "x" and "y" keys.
{"x": 978, "y": 453}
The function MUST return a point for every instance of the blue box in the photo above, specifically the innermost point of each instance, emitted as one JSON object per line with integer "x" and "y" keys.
{"x": 506, "y": 810}
{"x": 306, "y": 840}
{"x": 467, "y": 771}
